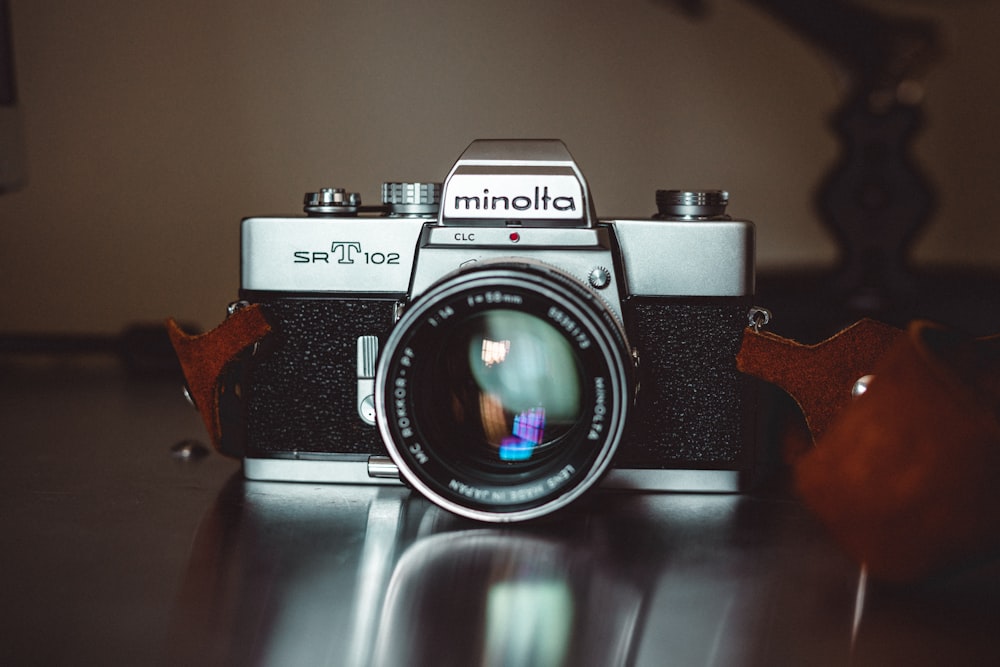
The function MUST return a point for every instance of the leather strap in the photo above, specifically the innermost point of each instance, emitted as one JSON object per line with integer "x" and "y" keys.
{"x": 818, "y": 377}
{"x": 906, "y": 476}
{"x": 212, "y": 368}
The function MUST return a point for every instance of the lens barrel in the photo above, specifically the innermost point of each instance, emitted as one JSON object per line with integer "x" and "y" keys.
{"x": 502, "y": 392}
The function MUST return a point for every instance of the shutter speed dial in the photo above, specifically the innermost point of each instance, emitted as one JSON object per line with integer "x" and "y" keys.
{"x": 412, "y": 199}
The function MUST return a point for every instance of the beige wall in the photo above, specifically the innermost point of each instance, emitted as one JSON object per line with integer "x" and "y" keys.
{"x": 153, "y": 127}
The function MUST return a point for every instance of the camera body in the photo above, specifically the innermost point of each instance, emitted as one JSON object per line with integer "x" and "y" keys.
{"x": 647, "y": 313}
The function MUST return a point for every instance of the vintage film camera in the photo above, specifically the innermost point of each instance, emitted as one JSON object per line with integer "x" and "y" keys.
{"x": 494, "y": 344}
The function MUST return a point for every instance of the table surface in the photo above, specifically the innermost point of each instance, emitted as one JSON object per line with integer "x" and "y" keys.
{"x": 118, "y": 552}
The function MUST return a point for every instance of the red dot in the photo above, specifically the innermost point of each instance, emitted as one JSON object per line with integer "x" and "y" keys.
{"x": 515, "y": 237}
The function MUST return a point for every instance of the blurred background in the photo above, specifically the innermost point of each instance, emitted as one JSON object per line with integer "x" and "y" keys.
{"x": 142, "y": 132}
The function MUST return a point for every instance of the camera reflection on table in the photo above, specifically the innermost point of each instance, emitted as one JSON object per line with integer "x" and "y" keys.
{"x": 352, "y": 575}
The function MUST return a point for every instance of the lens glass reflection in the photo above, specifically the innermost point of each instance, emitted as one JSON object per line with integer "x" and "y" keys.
{"x": 507, "y": 390}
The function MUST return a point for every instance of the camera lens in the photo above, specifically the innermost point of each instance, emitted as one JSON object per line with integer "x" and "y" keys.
{"x": 503, "y": 390}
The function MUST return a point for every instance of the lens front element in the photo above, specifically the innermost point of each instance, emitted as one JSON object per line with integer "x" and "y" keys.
{"x": 502, "y": 392}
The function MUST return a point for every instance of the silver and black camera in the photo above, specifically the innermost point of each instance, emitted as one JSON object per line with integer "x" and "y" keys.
{"x": 493, "y": 344}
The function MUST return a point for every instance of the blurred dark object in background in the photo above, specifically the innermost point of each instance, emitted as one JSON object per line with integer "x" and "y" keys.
{"x": 875, "y": 200}
{"x": 142, "y": 349}
{"x": 12, "y": 158}
{"x": 808, "y": 308}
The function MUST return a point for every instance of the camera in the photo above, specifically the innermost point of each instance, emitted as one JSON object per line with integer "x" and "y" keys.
{"x": 493, "y": 344}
